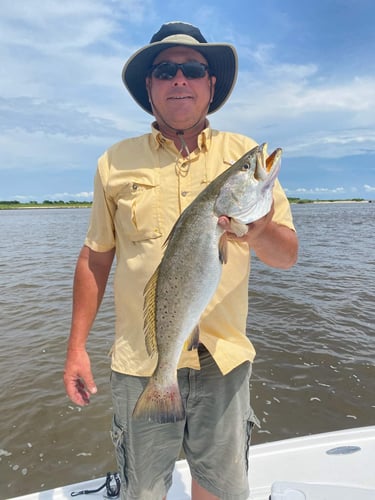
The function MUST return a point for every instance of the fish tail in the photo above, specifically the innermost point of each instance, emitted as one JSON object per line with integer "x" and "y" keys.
{"x": 159, "y": 404}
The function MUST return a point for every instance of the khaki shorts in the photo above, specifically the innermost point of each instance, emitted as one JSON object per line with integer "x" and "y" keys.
{"x": 215, "y": 434}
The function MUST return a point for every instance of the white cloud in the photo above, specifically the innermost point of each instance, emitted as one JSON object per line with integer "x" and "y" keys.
{"x": 59, "y": 49}
{"x": 83, "y": 196}
{"x": 369, "y": 189}
{"x": 299, "y": 107}
{"x": 331, "y": 144}
{"x": 70, "y": 55}
{"x": 63, "y": 101}
{"x": 317, "y": 190}
{"x": 304, "y": 114}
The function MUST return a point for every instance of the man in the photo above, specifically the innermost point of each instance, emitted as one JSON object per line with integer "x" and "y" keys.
{"x": 141, "y": 187}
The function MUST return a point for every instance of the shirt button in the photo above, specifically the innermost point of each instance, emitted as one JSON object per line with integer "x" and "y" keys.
{"x": 184, "y": 193}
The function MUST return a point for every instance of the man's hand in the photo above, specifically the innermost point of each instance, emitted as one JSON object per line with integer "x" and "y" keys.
{"x": 78, "y": 378}
{"x": 274, "y": 244}
{"x": 255, "y": 229}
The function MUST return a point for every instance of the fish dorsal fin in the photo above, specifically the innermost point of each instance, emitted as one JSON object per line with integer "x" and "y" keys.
{"x": 174, "y": 230}
{"x": 192, "y": 341}
{"x": 149, "y": 314}
{"x": 223, "y": 248}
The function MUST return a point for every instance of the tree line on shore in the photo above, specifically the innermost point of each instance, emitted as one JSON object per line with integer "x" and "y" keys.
{"x": 44, "y": 202}
{"x": 73, "y": 203}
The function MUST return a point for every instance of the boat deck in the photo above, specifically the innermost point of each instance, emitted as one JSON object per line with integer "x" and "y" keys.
{"x": 335, "y": 466}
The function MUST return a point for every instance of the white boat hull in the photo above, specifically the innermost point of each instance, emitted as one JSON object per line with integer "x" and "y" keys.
{"x": 335, "y": 466}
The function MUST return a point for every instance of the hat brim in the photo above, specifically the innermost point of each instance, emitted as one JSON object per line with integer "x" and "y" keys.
{"x": 221, "y": 59}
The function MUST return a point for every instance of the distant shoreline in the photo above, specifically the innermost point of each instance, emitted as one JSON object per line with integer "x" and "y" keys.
{"x": 317, "y": 202}
{"x": 42, "y": 206}
{"x": 302, "y": 201}
{"x": 4, "y": 205}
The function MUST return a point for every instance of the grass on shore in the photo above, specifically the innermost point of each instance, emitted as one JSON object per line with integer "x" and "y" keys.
{"x": 14, "y": 204}
{"x": 302, "y": 200}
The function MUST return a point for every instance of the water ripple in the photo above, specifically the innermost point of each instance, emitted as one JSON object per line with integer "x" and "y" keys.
{"x": 313, "y": 328}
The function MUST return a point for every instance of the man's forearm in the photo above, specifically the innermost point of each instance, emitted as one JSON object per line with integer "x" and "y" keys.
{"x": 90, "y": 281}
{"x": 276, "y": 246}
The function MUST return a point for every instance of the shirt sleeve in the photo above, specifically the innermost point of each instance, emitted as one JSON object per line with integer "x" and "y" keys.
{"x": 283, "y": 213}
{"x": 101, "y": 232}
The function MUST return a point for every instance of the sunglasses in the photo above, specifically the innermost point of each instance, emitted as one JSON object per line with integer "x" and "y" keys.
{"x": 168, "y": 70}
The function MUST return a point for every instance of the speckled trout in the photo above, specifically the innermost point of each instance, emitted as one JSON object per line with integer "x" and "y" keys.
{"x": 190, "y": 271}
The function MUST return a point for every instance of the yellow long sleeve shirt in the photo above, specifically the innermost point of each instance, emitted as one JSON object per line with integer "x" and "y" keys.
{"x": 142, "y": 185}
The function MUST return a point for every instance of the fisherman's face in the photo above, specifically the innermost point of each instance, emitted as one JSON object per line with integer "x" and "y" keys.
{"x": 180, "y": 102}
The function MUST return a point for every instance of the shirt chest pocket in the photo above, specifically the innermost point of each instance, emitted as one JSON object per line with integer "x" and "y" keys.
{"x": 138, "y": 210}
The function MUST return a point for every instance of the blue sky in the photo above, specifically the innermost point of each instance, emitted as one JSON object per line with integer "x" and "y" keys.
{"x": 306, "y": 83}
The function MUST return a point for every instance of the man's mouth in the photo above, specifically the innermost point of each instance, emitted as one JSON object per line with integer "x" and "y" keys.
{"x": 179, "y": 97}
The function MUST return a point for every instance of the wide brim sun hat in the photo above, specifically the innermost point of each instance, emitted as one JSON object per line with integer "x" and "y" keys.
{"x": 221, "y": 59}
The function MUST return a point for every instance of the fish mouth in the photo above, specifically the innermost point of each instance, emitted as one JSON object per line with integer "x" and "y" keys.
{"x": 266, "y": 164}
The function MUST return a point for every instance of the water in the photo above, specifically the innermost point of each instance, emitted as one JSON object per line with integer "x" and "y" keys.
{"x": 313, "y": 327}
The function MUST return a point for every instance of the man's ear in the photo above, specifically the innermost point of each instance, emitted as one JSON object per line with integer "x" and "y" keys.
{"x": 148, "y": 87}
{"x": 212, "y": 86}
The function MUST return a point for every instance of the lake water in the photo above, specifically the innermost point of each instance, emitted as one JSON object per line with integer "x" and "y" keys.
{"x": 313, "y": 327}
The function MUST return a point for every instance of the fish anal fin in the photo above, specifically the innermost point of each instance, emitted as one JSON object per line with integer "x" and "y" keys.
{"x": 149, "y": 312}
{"x": 223, "y": 248}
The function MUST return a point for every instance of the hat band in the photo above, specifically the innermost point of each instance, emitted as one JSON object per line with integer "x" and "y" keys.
{"x": 181, "y": 39}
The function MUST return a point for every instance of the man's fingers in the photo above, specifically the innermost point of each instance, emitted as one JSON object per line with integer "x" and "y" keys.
{"x": 79, "y": 392}
{"x": 76, "y": 392}
{"x": 78, "y": 378}
{"x": 224, "y": 222}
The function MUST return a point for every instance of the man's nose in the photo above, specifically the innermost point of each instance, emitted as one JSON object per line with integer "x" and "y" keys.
{"x": 179, "y": 78}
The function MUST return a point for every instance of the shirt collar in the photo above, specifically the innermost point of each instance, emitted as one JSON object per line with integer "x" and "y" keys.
{"x": 204, "y": 138}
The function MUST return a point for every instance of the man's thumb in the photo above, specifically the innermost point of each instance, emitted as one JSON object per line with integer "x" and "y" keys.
{"x": 90, "y": 384}
{"x": 93, "y": 389}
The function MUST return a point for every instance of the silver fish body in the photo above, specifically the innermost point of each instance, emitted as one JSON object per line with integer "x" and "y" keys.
{"x": 190, "y": 270}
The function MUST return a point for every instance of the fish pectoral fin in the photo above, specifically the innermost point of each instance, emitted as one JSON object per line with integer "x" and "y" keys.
{"x": 193, "y": 340}
{"x": 238, "y": 228}
{"x": 223, "y": 248}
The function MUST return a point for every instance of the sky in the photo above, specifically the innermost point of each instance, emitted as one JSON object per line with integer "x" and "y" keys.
{"x": 306, "y": 83}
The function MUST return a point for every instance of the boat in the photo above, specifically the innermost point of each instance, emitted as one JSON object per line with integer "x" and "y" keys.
{"x": 334, "y": 465}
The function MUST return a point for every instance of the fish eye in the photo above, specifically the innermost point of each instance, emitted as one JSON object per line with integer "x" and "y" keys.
{"x": 245, "y": 166}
